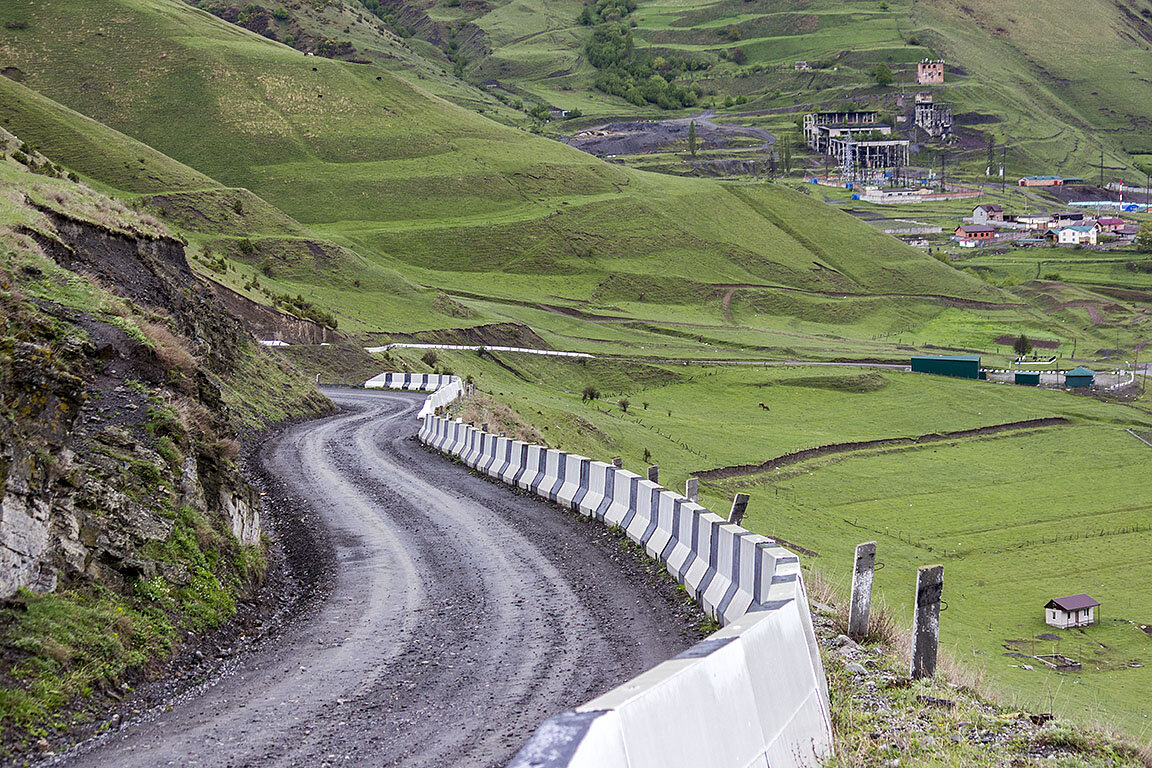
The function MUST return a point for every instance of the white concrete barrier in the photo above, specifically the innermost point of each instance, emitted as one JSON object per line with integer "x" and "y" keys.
{"x": 752, "y": 694}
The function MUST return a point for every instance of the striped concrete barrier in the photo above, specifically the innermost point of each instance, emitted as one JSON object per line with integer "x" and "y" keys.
{"x": 752, "y": 694}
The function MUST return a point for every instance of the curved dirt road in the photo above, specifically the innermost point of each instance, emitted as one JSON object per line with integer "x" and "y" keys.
{"x": 461, "y": 615}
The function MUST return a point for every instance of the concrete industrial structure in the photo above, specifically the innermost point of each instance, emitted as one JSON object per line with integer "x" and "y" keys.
{"x": 1071, "y": 611}
{"x": 856, "y": 140}
{"x": 930, "y": 72}
{"x": 934, "y": 117}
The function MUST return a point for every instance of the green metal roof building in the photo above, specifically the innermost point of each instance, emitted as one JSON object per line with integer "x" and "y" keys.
{"x": 1080, "y": 377}
{"x": 961, "y": 366}
{"x": 1028, "y": 378}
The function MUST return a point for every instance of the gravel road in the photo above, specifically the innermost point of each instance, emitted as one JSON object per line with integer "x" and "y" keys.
{"x": 461, "y": 614}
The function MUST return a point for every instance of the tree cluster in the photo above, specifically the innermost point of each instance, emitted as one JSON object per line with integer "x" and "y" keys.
{"x": 640, "y": 78}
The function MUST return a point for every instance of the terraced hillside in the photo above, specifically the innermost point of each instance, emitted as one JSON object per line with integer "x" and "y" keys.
{"x": 406, "y": 183}
{"x": 1043, "y": 86}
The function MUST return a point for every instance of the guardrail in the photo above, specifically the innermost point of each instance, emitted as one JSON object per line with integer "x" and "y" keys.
{"x": 478, "y": 347}
{"x": 752, "y": 694}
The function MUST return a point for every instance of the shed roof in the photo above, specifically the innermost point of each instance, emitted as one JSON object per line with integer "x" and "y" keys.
{"x": 1072, "y": 602}
{"x": 965, "y": 358}
{"x": 1080, "y": 371}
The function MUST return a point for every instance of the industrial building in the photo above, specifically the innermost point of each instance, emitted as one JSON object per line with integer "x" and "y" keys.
{"x": 930, "y": 72}
{"x": 934, "y": 117}
{"x": 856, "y": 139}
{"x": 960, "y": 366}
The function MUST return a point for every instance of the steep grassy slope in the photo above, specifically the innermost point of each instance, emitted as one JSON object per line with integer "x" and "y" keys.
{"x": 215, "y": 219}
{"x": 1056, "y": 92}
{"x": 128, "y": 528}
{"x": 441, "y": 194}
{"x": 1067, "y": 82}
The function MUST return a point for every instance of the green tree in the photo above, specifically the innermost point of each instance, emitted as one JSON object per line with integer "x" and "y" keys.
{"x": 882, "y": 74}
{"x": 590, "y": 393}
{"x": 692, "y": 138}
{"x": 1144, "y": 239}
{"x": 1022, "y": 346}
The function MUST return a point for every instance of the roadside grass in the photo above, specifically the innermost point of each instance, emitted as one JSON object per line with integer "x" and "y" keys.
{"x": 1017, "y": 517}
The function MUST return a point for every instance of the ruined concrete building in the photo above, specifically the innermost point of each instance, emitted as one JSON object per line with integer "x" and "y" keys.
{"x": 933, "y": 117}
{"x": 930, "y": 72}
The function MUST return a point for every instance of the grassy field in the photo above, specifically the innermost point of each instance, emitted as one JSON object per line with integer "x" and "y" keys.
{"x": 1017, "y": 517}
{"x": 412, "y": 191}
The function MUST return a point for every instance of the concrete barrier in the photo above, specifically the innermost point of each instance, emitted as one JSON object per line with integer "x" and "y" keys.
{"x": 752, "y": 694}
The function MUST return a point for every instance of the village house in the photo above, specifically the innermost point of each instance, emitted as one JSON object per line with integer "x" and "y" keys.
{"x": 1109, "y": 223}
{"x": 973, "y": 234}
{"x": 1128, "y": 231}
{"x": 1070, "y": 219}
{"x": 1031, "y": 220}
{"x": 1071, "y": 611}
{"x": 801, "y": 65}
{"x": 1082, "y": 234}
{"x": 1042, "y": 181}
{"x": 982, "y": 214}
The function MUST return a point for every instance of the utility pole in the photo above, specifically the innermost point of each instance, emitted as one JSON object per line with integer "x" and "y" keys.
{"x": 1101, "y": 168}
{"x": 1003, "y": 166}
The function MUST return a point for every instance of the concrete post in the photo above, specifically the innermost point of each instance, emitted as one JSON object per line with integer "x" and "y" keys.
{"x": 739, "y": 507}
{"x": 618, "y": 462}
{"x": 654, "y": 474}
{"x": 861, "y": 603}
{"x": 483, "y": 427}
{"x": 926, "y": 620}
{"x": 692, "y": 489}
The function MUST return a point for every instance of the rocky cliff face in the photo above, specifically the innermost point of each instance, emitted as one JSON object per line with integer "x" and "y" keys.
{"x": 124, "y": 385}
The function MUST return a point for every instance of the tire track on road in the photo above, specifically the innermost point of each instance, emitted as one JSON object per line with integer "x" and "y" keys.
{"x": 461, "y": 615}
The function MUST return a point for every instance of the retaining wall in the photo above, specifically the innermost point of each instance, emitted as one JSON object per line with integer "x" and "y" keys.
{"x": 752, "y": 694}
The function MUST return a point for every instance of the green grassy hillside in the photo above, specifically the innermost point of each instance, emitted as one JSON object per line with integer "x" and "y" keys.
{"x": 1056, "y": 92}
{"x": 445, "y": 196}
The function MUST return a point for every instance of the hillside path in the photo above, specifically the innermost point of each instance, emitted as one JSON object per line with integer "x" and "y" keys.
{"x": 461, "y": 615}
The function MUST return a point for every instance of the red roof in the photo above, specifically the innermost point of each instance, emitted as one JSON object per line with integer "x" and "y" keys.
{"x": 1110, "y": 222}
{"x": 969, "y": 229}
{"x": 1072, "y": 603}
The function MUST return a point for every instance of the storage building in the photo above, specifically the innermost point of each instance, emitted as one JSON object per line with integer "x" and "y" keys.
{"x": 1080, "y": 377}
{"x": 1071, "y": 611}
{"x": 1028, "y": 378}
{"x": 961, "y": 366}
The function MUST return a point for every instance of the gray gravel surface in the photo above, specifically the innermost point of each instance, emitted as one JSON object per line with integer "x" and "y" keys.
{"x": 461, "y": 614}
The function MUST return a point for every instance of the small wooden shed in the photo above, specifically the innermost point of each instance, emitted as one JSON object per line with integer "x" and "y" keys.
{"x": 1071, "y": 611}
